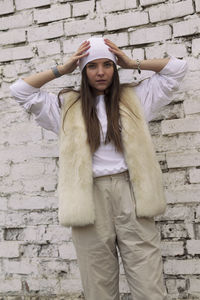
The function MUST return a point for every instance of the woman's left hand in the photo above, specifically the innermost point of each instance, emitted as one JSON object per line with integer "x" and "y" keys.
{"x": 122, "y": 59}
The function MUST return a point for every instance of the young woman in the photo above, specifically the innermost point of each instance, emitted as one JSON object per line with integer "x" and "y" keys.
{"x": 110, "y": 182}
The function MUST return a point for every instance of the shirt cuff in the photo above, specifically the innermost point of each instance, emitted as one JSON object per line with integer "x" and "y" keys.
{"x": 21, "y": 85}
{"x": 174, "y": 65}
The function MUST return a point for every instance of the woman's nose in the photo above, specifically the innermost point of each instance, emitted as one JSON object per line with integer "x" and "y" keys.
{"x": 100, "y": 70}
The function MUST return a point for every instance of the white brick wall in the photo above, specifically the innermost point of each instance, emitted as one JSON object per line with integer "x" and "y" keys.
{"x": 83, "y": 26}
{"x": 170, "y": 11}
{"x": 37, "y": 256}
{"x": 25, "y": 4}
{"x": 53, "y": 30}
{"x": 150, "y": 35}
{"x": 22, "y": 19}
{"x": 83, "y": 8}
{"x": 6, "y": 7}
{"x": 12, "y": 37}
{"x": 117, "y": 5}
{"x": 150, "y": 2}
{"x": 197, "y": 4}
{"x": 186, "y": 27}
{"x": 52, "y": 14}
{"x": 126, "y": 20}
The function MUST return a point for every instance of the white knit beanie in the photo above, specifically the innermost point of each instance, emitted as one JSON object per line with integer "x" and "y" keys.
{"x": 98, "y": 49}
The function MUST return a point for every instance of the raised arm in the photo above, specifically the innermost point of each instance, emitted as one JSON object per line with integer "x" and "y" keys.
{"x": 125, "y": 62}
{"x": 42, "y": 104}
{"x": 39, "y": 79}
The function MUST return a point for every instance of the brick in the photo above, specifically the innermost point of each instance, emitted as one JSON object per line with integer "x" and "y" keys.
{"x": 48, "y": 48}
{"x": 15, "y": 53}
{"x": 174, "y": 178}
{"x": 190, "y": 124}
{"x": 185, "y": 28}
{"x": 44, "y": 182}
{"x": 150, "y": 35}
{"x": 174, "y": 286}
{"x": 183, "y": 194}
{"x": 12, "y": 37}
{"x": 170, "y": 11}
{"x": 172, "y": 248}
{"x": 4, "y": 170}
{"x": 177, "y": 50}
{"x": 194, "y": 175}
{"x": 150, "y": 2}
{"x": 67, "y": 251}
{"x": 24, "y": 4}
{"x": 9, "y": 249}
{"x": 10, "y": 285}
{"x": 23, "y": 19}
{"x": 6, "y": 7}
{"x": 50, "y": 286}
{"x": 139, "y": 53}
{"x": 175, "y": 267}
{"x": 84, "y": 26}
{"x": 191, "y": 106}
{"x": 126, "y": 20}
{"x": 176, "y": 231}
{"x": 22, "y": 218}
{"x": 53, "y": 30}
{"x": 70, "y": 285}
{"x": 24, "y": 266}
{"x": 193, "y": 62}
{"x": 4, "y": 203}
{"x": 117, "y": 5}
{"x": 198, "y": 213}
{"x": 20, "y": 133}
{"x": 8, "y": 185}
{"x": 196, "y": 47}
{"x": 120, "y": 39}
{"x": 48, "y": 251}
{"x": 194, "y": 286}
{"x": 189, "y": 158}
{"x": 193, "y": 247}
{"x": 197, "y": 4}
{"x": 54, "y": 13}
{"x": 82, "y": 8}
{"x": 191, "y": 85}
{"x": 29, "y": 234}
{"x": 21, "y": 202}
{"x": 53, "y": 267}
{"x": 57, "y": 234}
{"x": 178, "y": 212}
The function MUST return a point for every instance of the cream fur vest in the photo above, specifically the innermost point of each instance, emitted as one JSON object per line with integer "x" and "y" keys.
{"x": 75, "y": 184}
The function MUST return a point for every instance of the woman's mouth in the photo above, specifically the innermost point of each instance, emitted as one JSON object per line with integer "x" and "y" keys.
{"x": 101, "y": 81}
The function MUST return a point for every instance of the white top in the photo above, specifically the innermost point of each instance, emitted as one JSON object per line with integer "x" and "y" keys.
{"x": 153, "y": 93}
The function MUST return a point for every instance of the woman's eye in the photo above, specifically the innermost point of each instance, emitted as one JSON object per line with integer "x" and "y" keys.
{"x": 108, "y": 65}
{"x": 91, "y": 66}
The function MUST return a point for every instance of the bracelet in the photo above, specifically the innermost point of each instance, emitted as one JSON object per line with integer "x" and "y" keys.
{"x": 138, "y": 65}
{"x": 56, "y": 72}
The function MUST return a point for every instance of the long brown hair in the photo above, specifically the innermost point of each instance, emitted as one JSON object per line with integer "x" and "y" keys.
{"x": 93, "y": 126}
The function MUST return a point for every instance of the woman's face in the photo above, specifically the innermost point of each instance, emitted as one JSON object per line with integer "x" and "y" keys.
{"x": 100, "y": 73}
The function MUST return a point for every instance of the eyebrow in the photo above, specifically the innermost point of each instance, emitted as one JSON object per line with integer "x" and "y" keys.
{"x": 93, "y": 63}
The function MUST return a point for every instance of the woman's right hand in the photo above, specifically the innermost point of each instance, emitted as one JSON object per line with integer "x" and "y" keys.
{"x": 70, "y": 65}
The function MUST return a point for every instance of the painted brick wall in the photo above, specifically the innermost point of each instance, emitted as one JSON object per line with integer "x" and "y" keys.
{"x": 37, "y": 257}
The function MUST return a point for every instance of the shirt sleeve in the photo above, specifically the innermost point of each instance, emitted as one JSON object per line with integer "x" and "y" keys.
{"x": 156, "y": 91}
{"x": 42, "y": 104}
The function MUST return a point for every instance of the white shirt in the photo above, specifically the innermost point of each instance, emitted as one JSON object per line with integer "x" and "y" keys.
{"x": 153, "y": 93}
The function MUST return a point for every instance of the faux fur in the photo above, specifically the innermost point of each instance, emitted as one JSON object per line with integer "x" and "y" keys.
{"x": 75, "y": 186}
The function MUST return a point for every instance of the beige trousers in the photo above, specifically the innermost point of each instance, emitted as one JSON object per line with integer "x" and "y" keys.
{"x": 137, "y": 240}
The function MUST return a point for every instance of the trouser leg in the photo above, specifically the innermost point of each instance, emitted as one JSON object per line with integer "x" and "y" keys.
{"x": 139, "y": 246}
{"x": 96, "y": 250}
